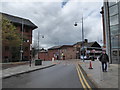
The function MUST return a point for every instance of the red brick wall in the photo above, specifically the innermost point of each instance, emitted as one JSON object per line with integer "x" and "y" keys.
{"x": 68, "y": 53}
{"x": 28, "y": 36}
{"x": 52, "y": 53}
{"x": 43, "y": 56}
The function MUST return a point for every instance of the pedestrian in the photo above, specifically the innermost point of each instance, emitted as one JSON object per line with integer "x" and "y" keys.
{"x": 104, "y": 59}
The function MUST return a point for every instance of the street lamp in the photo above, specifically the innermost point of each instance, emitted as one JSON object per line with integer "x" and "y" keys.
{"x": 21, "y": 46}
{"x": 82, "y": 36}
{"x": 38, "y": 41}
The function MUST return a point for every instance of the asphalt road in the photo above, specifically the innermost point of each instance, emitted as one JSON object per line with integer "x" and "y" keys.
{"x": 63, "y": 75}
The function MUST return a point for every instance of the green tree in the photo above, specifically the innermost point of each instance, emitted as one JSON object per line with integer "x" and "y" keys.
{"x": 11, "y": 37}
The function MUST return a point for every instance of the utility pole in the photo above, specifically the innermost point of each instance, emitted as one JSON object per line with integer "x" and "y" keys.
{"x": 38, "y": 44}
{"x": 21, "y": 51}
{"x": 82, "y": 37}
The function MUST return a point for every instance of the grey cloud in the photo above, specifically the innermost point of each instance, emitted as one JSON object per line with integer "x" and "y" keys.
{"x": 56, "y": 23}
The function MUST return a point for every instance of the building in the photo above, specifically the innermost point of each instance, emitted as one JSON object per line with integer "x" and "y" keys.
{"x": 66, "y": 52}
{"x": 54, "y": 52}
{"x": 111, "y": 24}
{"x": 22, "y": 25}
{"x": 43, "y": 54}
{"x": 63, "y": 52}
{"x": 77, "y": 47}
{"x": 91, "y": 49}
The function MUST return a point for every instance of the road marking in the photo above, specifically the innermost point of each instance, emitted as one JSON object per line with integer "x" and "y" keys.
{"x": 80, "y": 78}
{"x": 84, "y": 79}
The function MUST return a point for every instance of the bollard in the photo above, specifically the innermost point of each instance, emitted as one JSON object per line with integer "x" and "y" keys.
{"x": 90, "y": 65}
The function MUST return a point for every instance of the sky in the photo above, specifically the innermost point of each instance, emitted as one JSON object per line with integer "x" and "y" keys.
{"x": 57, "y": 23}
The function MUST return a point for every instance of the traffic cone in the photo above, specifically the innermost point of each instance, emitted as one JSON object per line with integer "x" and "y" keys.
{"x": 90, "y": 67}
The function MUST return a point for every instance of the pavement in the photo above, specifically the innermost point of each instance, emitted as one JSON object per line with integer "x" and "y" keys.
{"x": 12, "y": 64}
{"x": 101, "y": 79}
{"x": 20, "y": 69}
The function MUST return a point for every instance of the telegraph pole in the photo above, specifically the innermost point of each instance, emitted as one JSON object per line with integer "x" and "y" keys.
{"x": 38, "y": 44}
{"x": 82, "y": 37}
{"x": 21, "y": 51}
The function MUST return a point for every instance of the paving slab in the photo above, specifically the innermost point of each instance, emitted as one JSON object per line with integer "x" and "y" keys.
{"x": 101, "y": 79}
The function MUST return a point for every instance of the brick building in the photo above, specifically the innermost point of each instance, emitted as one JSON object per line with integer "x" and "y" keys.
{"x": 88, "y": 47}
{"x": 66, "y": 52}
{"x": 58, "y": 53}
{"x": 22, "y": 25}
{"x": 77, "y": 47}
{"x": 43, "y": 54}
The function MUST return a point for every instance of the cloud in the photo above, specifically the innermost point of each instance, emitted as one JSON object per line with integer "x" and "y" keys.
{"x": 56, "y": 23}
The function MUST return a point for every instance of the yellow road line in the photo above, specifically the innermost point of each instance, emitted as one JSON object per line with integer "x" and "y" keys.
{"x": 80, "y": 78}
{"x": 84, "y": 79}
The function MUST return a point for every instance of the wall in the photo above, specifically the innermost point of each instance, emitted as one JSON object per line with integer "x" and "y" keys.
{"x": 26, "y": 45}
{"x": 43, "y": 56}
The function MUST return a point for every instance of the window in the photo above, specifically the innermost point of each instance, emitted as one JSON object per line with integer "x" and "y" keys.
{"x": 21, "y": 29}
{"x": 114, "y": 20}
{"x": 6, "y": 57}
{"x": 13, "y": 48}
{"x": 13, "y": 57}
{"x": 119, "y": 30}
{"x": 113, "y": 10}
{"x": 6, "y": 48}
{"x": 119, "y": 41}
{"x": 78, "y": 49}
{"x": 26, "y": 48}
{"x": 119, "y": 52}
{"x": 26, "y": 30}
{"x": 114, "y": 41}
{"x": 114, "y": 53}
{"x": 112, "y": 3}
{"x": 114, "y": 32}
{"x": 25, "y": 58}
{"x": 114, "y": 27}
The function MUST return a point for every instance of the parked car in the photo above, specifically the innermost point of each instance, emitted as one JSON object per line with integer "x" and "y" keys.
{"x": 85, "y": 57}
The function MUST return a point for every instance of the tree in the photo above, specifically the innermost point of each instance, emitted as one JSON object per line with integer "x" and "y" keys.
{"x": 10, "y": 37}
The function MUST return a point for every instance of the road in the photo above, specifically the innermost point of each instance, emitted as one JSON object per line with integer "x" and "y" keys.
{"x": 63, "y": 75}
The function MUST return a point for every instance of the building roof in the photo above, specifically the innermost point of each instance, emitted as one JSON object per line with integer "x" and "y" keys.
{"x": 60, "y": 46}
{"x": 19, "y": 20}
{"x": 78, "y": 43}
{"x": 89, "y": 44}
{"x": 54, "y": 47}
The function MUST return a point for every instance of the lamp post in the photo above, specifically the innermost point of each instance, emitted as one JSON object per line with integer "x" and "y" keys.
{"x": 21, "y": 47}
{"x": 38, "y": 41}
{"x": 82, "y": 36}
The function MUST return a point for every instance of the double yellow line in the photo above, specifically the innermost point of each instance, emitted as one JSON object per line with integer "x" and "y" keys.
{"x": 82, "y": 79}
